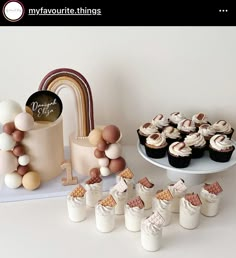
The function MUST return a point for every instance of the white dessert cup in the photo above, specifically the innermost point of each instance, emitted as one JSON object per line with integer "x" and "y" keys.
{"x": 105, "y": 218}
{"x": 130, "y": 186}
{"x": 76, "y": 207}
{"x": 174, "y": 205}
{"x": 121, "y": 200}
{"x": 210, "y": 203}
{"x": 93, "y": 194}
{"x": 133, "y": 218}
{"x": 146, "y": 195}
{"x": 150, "y": 241}
{"x": 162, "y": 206}
{"x": 189, "y": 215}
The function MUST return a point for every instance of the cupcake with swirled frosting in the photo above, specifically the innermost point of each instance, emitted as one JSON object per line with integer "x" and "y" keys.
{"x": 186, "y": 126}
{"x": 223, "y": 127}
{"x": 197, "y": 143}
{"x": 179, "y": 155}
{"x": 160, "y": 121}
{"x": 199, "y": 119}
{"x": 207, "y": 131}
{"x": 221, "y": 148}
{"x": 172, "y": 134}
{"x": 156, "y": 145}
{"x": 175, "y": 118}
{"x": 145, "y": 130}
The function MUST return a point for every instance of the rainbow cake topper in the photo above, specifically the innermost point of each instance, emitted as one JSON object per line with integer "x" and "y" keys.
{"x": 61, "y": 78}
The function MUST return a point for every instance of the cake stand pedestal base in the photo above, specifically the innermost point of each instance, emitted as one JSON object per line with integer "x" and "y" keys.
{"x": 189, "y": 179}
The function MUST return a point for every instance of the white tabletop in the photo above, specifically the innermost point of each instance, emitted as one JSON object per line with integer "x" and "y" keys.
{"x": 41, "y": 228}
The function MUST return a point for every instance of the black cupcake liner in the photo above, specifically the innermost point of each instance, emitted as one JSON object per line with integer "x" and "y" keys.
{"x": 220, "y": 156}
{"x": 173, "y": 124}
{"x": 197, "y": 152}
{"x": 179, "y": 162}
{"x": 142, "y": 138}
{"x": 156, "y": 153}
{"x": 170, "y": 140}
{"x": 229, "y": 135}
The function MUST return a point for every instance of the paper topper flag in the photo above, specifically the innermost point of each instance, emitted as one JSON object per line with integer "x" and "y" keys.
{"x": 45, "y": 106}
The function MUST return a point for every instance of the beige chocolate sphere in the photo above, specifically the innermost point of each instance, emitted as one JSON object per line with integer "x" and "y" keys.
{"x": 31, "y": 180}
{"x": 95, "y": 136}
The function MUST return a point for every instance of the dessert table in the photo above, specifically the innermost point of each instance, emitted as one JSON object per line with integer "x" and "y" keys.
{"x": 41, "y": 228}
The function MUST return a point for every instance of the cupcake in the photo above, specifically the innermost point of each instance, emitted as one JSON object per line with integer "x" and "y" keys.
{"x": 197, "y": 143}
{"x": 145, "y": 130}
{"x": 199, "y": 119}
{"x": 186, "y": 126}
{"x": 175, "y": 118}
{"x": 223, "y": 127}
{"x": 172, "y": 134}
{"x": 160, "y": 121}
{"x": 156, "y": 145}
{"x": 207, "y": 131}
{"x": 220, "y": 148}
{"x": 179, "y": 155}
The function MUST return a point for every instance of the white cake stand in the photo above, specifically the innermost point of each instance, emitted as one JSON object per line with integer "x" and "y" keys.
{"x": 196, "y": 172}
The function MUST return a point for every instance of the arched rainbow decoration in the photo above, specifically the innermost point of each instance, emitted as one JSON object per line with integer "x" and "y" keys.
{"x": 68, "y": 78}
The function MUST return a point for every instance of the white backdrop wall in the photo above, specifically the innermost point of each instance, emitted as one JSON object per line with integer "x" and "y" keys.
{"x": 134, "y": 72}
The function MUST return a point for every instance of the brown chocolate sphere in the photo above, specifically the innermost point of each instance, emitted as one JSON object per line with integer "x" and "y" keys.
{"x": 99, "y": 154}
{"x": 22, "y": 170}
{"x": 111, "y": 133}
{"x": 18, "y": 135}
{"x": 117, "y": 165}
{"x": 102, "y": 145}
{"x": 94, "y": 172}
{"x": 9, "y": 128}
{"x": 18, "y": 150}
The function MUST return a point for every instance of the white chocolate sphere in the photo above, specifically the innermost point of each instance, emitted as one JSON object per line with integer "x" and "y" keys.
{"x": 13, "y": 180}
{"x": 24, "y": 122}
{"x": 113, "y": 151}
{"x": 105, "y": 171}
{"x": 24, "y": 160}
{"x": 9, "y": 109}
{"x": 8, "y": 162}
{"x": 6, "y": 142}
{"x": 103, "y": 162}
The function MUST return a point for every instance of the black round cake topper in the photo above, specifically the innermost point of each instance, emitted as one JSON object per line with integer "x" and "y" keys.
{"x": 45, "y": 106}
